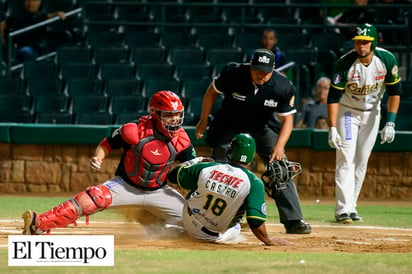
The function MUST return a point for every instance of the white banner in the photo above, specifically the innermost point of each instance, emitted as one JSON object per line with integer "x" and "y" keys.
{"x": 61, "y": 250}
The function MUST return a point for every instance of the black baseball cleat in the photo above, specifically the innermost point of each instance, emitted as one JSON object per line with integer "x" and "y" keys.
{"x": 355, "y": 217}
{"x": 344, "y": 218}
{"x": 29, "y": 219}
{"x": 298, "y": 227}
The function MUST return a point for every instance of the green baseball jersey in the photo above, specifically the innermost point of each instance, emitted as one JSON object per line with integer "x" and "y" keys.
{"x": 219, "y": 191}
{"x": 364, "y": 86}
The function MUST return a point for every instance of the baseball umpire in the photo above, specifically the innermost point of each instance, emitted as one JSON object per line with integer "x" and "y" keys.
{"x": 253, "y": 93}
{"x": 220, "y": 193}
{"x": 150, "y": 147}
{"x": 360, "y": 80}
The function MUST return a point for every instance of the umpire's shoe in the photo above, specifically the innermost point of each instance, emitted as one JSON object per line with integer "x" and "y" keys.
{"x": 298, "y": 227}
{"x": 29, "y": 218}
{"x": 355, "y": 217}
{"x": 343, "y": 218}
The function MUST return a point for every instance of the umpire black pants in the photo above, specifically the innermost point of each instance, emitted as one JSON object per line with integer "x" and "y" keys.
{"x": 287, "y": 200}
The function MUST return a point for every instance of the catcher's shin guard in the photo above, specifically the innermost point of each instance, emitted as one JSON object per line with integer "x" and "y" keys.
{"x": 85, "y": 203}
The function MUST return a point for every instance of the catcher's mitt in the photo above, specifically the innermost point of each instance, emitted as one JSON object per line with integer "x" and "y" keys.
{"x": 278, "y": 174}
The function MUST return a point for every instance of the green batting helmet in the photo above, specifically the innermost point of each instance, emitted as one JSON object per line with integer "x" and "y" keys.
{"x": 242, "y": 148}
{"x": 367, "y": 32}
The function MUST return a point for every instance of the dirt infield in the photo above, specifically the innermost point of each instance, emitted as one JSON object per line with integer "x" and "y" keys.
{"x": 324, "y": 238}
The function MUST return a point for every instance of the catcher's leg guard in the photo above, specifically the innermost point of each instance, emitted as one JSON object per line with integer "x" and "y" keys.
{"x": 93, "y": 199}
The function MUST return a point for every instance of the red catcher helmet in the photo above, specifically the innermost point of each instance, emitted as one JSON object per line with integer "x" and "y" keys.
{"x": 166, "y": 109}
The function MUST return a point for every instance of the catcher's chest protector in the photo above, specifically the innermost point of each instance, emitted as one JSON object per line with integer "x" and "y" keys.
{"x": 146, "y": 164}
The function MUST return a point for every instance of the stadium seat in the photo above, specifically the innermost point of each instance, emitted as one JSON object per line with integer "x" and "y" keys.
{"x": 39, "y": 70}
{"x": 193, "y": 110}
{"x": 126, "y": 117}
{"x": 292, "y": 40}
{"x": 15, "y": 108}
{"x": 10, "y": 86}
{"x": 279, "y": 14}
{"x": 74, "y": 54}
{"x": 185, "y": 56}
{"x": 148, "y": 55}
{"x": 195, "y": 88}
{"x": 195, "y": 71}
{"x": 117, "y": 71}
{"x": 249, "y": 39}
{"x": 76, "y": 87}
{"x": 214, "y": 37}
{"x": 107, "y": 38}
{"x": 326, "y": 41}
{"x": 53, "y": 118}
{"x": 44, "y": 86}
{"x": 134, "y": 104}
{"x": 326, "y": 60}
{"x": 71, "y": 71}
{"x": 61, "y": 5}
{"x": 199, "y": 1}
{"x": 239, "y": 14}
{"x": 169, "y": 14}
{"x": 15, "y": 103}
{"x": 224, "y": 56}
{"x": 99, "y": 12}
{"x": 124, "y": 87}
{"x": 133, "y": 13}
{"x": 50, "y": 103}
{"x": 93, "y": 118}
{"x": 151, "y": 86}
{"x": 57, "y": 38}
{"x": 306, "y": 58}
{"x": 16, "y": 117}
{"x": 205, "y": 14}
{"x": 151, "y": 71}
{"x": 89, "y": 104}
{"x": 177, "y": 38}
{"x": 138, "y": 38}
{"x": 111, "y": 55}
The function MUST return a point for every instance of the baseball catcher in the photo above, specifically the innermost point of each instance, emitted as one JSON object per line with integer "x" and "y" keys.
{"x": 278, "y": 174}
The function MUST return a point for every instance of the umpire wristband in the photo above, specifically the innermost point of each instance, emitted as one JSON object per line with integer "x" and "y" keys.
{"x": 391, "y": 117}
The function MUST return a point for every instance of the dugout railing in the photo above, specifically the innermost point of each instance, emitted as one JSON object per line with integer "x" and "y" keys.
{"x": 18, "y": 32}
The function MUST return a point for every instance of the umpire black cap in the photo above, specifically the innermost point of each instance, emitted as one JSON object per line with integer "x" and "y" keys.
{"x": 263, "y": 60}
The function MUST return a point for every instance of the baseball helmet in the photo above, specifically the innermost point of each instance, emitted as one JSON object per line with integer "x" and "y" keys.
{"x": 242, "y": 148}
{"x": 367, "y": 32}
{"x": 163, "y": 105}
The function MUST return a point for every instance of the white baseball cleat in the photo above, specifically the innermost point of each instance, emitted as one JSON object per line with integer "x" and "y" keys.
{"x": 231, "y": 236}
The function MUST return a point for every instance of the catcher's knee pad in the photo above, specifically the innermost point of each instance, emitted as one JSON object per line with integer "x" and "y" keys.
{"x": 93, "y": 199}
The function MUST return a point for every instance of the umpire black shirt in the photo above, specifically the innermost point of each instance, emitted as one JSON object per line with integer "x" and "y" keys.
{"x": 248, "y": 107}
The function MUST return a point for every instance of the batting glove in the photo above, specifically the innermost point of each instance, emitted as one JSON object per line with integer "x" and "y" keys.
{"x": 334, "y": 139}
{"x": 95, "y": 163}
{"x": 388, "y": 133}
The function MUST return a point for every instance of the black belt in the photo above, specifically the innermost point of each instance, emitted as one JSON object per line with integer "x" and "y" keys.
{"x": 204, "y": 229}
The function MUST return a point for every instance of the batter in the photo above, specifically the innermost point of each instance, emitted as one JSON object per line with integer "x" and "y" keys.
{"x": 360, "y": 80}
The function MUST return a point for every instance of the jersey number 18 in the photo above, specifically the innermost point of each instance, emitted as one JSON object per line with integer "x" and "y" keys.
{"x": 218, "y": 206}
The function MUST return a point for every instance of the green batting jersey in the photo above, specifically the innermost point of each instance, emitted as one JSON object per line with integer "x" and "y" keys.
{"x": 220, "y": 191}
{"x": 363, "y": 86}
